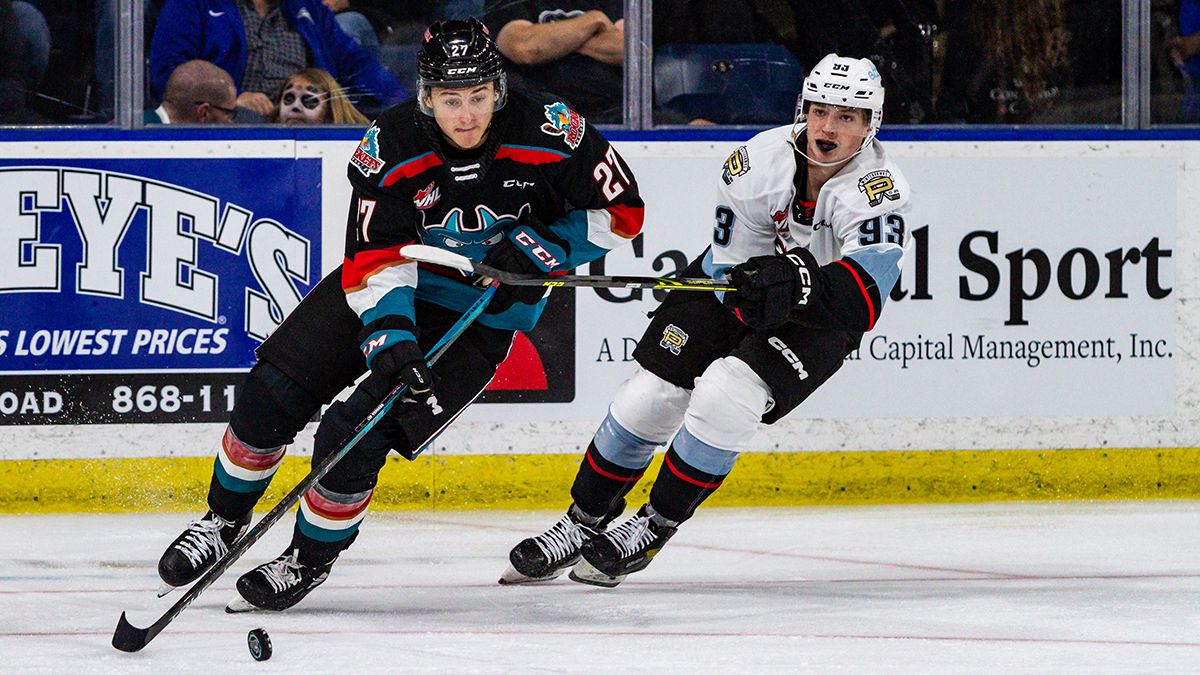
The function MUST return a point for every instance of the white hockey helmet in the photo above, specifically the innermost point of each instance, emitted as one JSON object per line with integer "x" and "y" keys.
{"x": 842, "y": 81}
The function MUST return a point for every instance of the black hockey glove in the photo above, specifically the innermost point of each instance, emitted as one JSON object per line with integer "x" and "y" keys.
{"x": 405, "y": 363}
{"x": 527, "y": 249}
{"x": 771, "y": 287}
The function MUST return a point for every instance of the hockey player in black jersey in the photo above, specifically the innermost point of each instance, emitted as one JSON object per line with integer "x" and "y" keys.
{"x": 517, "y": 180}
{"x": 809, "y": 226}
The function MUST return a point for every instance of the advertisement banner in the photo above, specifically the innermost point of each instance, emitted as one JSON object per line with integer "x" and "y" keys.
{"x": 136, "y": 290}
{"x": 1034, "y": 286}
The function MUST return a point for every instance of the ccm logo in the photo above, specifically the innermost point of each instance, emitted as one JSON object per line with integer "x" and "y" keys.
{"x": 374, "y": 344}
{"x": 835, "y": 85}
{"x": 805, "y": 278}
{"x": 789, "y": 355}
{"x": 461, "y": 71}
{"x": 536, "y": 249}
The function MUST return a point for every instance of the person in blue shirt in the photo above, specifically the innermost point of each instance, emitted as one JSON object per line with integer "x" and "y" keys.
{"x": 1185, "y": 51}
{"x": 260, "y": 43}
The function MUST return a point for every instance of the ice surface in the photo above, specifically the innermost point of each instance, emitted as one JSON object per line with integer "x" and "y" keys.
{"x": 1040, "y": 588}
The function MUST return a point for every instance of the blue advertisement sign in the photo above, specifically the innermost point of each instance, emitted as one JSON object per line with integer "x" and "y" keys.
{"x": 120, "y": 279}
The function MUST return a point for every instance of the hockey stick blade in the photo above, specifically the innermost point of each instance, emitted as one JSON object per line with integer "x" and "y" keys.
{"x": 437, "y": 256}
{"x": 130, "y": 638}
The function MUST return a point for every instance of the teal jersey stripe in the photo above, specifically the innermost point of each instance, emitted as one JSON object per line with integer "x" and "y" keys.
{"x": 396, "y": 302}
{"x": 574, "y": 228}
{"x": 535, "y": 148}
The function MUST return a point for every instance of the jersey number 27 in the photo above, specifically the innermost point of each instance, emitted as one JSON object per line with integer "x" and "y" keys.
{"x": 606, "y": 174}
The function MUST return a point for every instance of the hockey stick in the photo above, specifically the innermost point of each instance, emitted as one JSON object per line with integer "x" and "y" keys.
{"x": 130, "y": 638}
{"x": 438, "y": 256}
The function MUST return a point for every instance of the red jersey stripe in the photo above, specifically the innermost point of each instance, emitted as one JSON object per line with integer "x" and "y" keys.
{"x": 356, "y": 271}
{"x": 529, "y": 155}
{"x": 866, "y": 296}
{"x": 413, "y": 167}
{"x": 627, "y": 220}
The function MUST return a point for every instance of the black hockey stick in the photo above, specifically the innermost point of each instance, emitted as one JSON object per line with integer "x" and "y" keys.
{"x": 130, "y": 638}
{"x": 439, "y": 256}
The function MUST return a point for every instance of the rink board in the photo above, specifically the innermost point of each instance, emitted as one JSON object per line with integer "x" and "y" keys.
{"x": 543, "y": 481}
{"x": 1039, "y": 323}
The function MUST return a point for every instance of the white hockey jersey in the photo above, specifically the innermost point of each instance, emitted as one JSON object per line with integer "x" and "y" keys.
{"x": 859, "y": 215}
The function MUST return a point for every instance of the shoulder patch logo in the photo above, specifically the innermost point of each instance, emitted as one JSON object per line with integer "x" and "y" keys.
{"x": 877, "y": 186}
{"x": 673, "y": 339}
{"x": 564, "y": 122}
{"x": 427, "y": 196}
{"x": 737, "y": 164}
{"x": 366, "y": 155}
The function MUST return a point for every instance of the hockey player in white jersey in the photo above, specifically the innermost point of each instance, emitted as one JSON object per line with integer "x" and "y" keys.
{"x": 809, "y": 226}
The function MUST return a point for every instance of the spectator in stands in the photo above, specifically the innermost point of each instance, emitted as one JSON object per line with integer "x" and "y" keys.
{"x": 312, "y": 96}
{"x": 35, "y": 33}
{"x": 574, "y": 48}
{"x": 260, "y": 43}
{"x": 1005, "y": 61}
{"x": 355, "y": 24}
{"x": 15, "y": 55}
{"x": 1185, "y": 52}
{"x": 198, "y": 92}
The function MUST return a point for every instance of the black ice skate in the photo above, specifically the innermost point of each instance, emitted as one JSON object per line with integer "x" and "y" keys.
{"x": 546, "y": 556}
{"x": 193, "y": 552}
{"x": 278, "y": 585}
{"x": 629, "y": 547}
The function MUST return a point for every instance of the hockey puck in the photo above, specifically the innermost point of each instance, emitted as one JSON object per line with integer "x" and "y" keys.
{"x": 259, "y": 643}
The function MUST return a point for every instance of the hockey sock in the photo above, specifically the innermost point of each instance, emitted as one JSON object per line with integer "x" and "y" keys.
{"x": 600, "y": 484}
{"x": 271, "y": 409}
{"x": 241, "y": 473}
{"x": 680, "y": 487}
{"x": 327, "y": 523}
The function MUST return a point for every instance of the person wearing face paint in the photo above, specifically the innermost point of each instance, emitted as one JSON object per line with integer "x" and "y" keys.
{"x": 809, "y": 225}
{"x": 518, "y": 180}
{"x": 312, "y": 96}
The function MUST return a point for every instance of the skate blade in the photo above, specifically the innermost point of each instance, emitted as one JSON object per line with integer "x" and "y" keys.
{"x": 512, "y": 577}
{"x": 239, "y": 605}
{"x": 585, "y": 573}
{"x": 164, "y": 588}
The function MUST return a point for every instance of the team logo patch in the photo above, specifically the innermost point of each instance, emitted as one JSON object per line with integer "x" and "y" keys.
{"x": 673, "y": 339}
{"x": 564, "y": 122}
{"x": 737, "y": 164}
{"x": 877, "y": 186}
{"x": 366, "y": 155}
{"x": 427, "y": 196}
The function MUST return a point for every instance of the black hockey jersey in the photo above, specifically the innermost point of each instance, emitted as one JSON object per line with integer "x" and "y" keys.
{"x": 540, "y": 163}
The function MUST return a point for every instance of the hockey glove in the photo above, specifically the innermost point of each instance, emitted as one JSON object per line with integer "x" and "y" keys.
{"x": 527, "y": 249}
{"x": 771, "y": 287}
{"x": 405, "y": 363}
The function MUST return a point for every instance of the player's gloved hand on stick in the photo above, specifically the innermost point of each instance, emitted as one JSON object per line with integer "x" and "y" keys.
{"x": 404, "y": 362}
{"x": 770, "y": 288}
{"x": 529, "y": 248}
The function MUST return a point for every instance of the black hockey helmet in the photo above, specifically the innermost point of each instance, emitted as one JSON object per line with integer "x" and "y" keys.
{"x": 457, "y": 54}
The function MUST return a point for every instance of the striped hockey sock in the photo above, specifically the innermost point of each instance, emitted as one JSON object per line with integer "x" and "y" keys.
{"x": 241, "y": 473}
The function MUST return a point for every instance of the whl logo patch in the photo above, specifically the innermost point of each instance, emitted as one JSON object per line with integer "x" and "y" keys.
{"x": 427, "y": 197}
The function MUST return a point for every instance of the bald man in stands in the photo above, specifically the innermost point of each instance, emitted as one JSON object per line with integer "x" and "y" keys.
{"x": 198, "y": 92}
